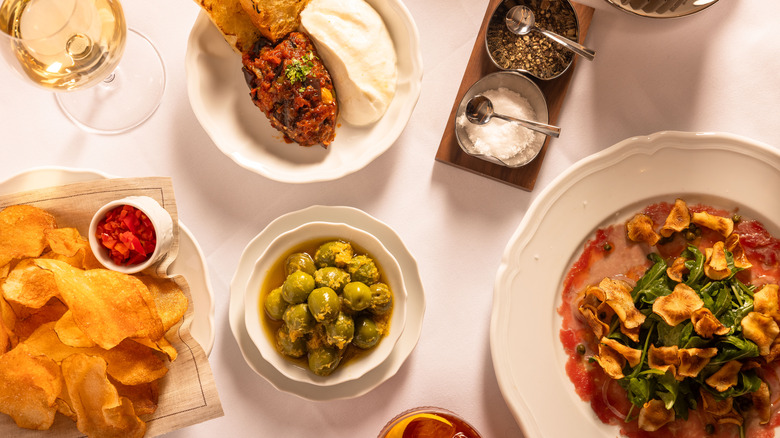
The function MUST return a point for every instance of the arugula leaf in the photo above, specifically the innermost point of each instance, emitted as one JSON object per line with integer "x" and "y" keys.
{"x": 670, "y": 389}
{"x": 734, "y": 348}
{"x": 695, "y": 266}
{"x": 656, "y": 274}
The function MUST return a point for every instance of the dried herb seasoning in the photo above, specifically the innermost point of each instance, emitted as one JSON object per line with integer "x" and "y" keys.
{"x": 533, "y": 52}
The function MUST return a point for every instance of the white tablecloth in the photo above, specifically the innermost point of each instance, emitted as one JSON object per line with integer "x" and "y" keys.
{"x": 714, "y": 71}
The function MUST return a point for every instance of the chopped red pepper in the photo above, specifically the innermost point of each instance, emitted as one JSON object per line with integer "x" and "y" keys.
{"x": 128, "y": 235}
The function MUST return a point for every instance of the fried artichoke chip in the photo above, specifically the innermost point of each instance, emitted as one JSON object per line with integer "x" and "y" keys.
{"x": 597, "y": 326}
{"x": 22, "y": 232}
{"x": 735, "y": 247}
{"x": 732, "y": 417}
{"x": 108, "y": 306}
{"x": 654, "y": 415}
{"x": 640, "y": 229}
{"x": 29, "y": 285}
{"x": 679, "y": 305}
{"x": 618, "y": 297}
{"x": 762, "y": 403}
{"x": 693, "y": 360}
{"x": 611, "y": 361}
{"x": 632, "y": 333}
{"x": 100, "y": 411}
{"x": 632, "y": 355}
{"x": 716, "y": 266}
{"x": 663, "y": 358}
{"x": 31, "y": 384}
{"x": 676, "y": 271}
{"x": 706, "y": 324}
{"x": 715, "y": 406}
{"x": 760, "y": 329}
{"x": 679, "y": 219}
{"x": 726, "y": 377}
{"x": 723, "y": 225}
{"x": 765, "y": 301}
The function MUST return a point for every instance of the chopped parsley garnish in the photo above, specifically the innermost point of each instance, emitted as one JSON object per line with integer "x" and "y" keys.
{"x": 297, "y": 71}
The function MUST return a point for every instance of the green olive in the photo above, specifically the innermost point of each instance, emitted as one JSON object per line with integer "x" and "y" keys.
{"x": 297, "y": 287}
{"x": 340, "y": 332}
{"x": 357, "y": 296}
{"x": 294, "y": 346}
{"x": 334, "y": 253}
{"x": 381, "y": 299}
{"x": 323, "y": 360}
{"x": 363, "y": 269}
{"x": 324, "y": 304}
{"x": 274, "y": 304}
{"x": 298, "y": 319}
{"x": 331, "y": 277}
{"x": 366, "y": 333}
{"x": 299, "y": 261}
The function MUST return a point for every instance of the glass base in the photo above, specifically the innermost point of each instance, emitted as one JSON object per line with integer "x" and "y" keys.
{"x": 124, "y": 100}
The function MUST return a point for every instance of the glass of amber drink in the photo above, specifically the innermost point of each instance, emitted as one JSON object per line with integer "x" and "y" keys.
{"x": 428, "y": 422}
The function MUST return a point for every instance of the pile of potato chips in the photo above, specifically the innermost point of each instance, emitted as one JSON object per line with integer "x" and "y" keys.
{"x": 76, "y": 338}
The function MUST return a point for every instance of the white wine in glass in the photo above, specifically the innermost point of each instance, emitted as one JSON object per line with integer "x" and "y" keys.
{"x": 74, "y": 47}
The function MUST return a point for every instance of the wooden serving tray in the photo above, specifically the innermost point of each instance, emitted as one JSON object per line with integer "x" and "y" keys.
{"x": 554, "y": 91}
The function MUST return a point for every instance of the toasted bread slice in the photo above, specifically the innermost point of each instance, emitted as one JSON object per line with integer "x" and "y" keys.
{"x": 235, "y": 24}
{"x": 275, "y": 18}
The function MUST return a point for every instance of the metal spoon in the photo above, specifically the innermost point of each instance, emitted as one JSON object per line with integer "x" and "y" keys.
{"x": 479, "y": 110}
{"x": 521, "y": 20}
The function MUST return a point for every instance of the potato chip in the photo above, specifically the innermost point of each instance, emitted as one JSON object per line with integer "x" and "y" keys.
{"x": 760, "y": 329}
{"x": 31, "y": 384}
{"x": 22, "y": 232}
{"x": 654, "y": 415}
{"x": 722, "y": 225}
{"x": 162, "y": 345}
{"x": 100, "y": 411}
{"x": 29, "y": 285}
{"x": 143, "y": 396}
{"x": 168, "y": 297}
{"x": 52, "y": 311}
{"x": 693, "y": 360}
{"x": 65, "y": 241}
{"x": 679, "y": 219}
{"x": 640, "y": 229}
{"x": 726, "y": 376}
{"x": 679, "y": 305}
{"x": 108, "y": 306}
{"x": 69, "y": 332}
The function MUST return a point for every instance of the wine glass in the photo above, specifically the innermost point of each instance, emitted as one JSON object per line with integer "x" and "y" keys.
{"x": 74, "y": 47}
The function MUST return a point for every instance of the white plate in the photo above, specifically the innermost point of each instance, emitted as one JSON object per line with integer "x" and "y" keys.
{"x": 719, "y": 169}
{"x": 190, "y": 261}
{"x": 668, "y": 9}
{"x": 220, "y": 100}
{"x": 415, "y": 302}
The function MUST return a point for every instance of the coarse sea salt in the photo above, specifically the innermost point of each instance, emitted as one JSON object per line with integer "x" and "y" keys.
{"x": 509, "y": 142}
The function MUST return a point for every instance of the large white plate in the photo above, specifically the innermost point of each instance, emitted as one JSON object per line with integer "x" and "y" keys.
{"x": 678, "y": 8}
{"x": 415, "y": 302}
{"x": 190, "y": 261}
{"x": 220, "y": 99}
{"x": 528, "y": 358}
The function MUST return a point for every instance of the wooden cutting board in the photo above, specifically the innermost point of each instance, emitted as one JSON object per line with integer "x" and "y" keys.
{"x": 554, "y": 91}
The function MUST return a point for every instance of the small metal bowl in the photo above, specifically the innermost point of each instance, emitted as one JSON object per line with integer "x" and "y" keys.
{"x": 550, "y": 65}
{"x": 518, "y": 83}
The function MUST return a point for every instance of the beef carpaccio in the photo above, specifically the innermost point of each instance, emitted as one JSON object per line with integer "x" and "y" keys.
{"x": 670, "y": 324}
